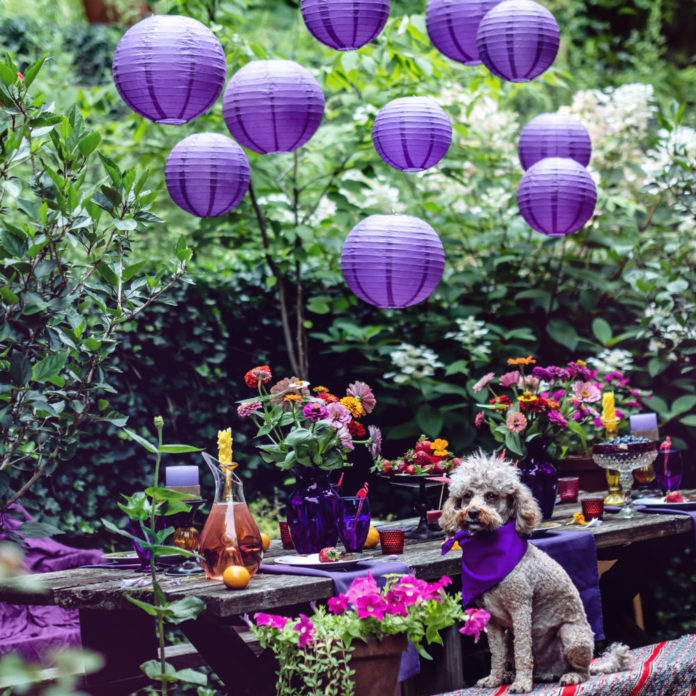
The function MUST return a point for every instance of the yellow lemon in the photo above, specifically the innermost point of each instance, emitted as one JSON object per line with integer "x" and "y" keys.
{"x": 265, "y": 541}
{"x": 372, "y": 538}
{"x": 236, "y": 577}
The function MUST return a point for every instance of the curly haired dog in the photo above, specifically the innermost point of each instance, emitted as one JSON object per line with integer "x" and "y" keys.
{"x": 538, "y": 625}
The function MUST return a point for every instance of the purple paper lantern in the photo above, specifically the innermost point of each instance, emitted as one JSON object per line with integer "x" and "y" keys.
{"x": 273, "y": 106}
{"x": 207, "y": 174}
{"x": 392, "y": 261}
{"x": 452, "y": 27}
{"x": 518, "y": 40}
{"x": 556, "y": 196}
{"x": 412, "y": 133}
{"x": 345, "y": 24}
{"x": 169, "y": 69}
{"x": 554, "y": 135}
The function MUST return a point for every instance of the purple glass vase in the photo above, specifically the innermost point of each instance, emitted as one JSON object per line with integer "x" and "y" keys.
{"x": 538, "y": 472}
{"x": 313, "y": 511}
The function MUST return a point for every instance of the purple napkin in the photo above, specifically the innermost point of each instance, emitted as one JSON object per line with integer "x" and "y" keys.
{"x": 668, "y": 511}
{"x": 577, "y": 554}
{"x": 410, "y": 660}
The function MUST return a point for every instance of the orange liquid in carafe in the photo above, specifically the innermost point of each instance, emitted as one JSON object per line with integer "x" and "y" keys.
{"x": 219, "y": 545}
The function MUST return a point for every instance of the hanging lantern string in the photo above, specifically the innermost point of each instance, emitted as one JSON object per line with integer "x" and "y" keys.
{"x": 361, "y": 494}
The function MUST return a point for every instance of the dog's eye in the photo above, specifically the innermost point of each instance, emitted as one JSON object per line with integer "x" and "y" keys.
{"x": 466, "y": 497}
{"x": 491, "y": 497}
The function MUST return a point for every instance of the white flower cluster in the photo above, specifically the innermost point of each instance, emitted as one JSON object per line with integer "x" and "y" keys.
{"x": 667, "y": 328}
{"x": 678, "y": 143}
{"x": 612, "y": 359}
{"x": 377, "y": 193}
{"x": 414, "y": 362}
{"x": 471, "y": 333}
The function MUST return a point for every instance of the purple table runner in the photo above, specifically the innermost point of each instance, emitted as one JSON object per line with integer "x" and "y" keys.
{"x": 668, "y": 511}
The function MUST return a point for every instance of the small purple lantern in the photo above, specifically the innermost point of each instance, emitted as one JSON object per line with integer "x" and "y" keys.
{"x": 345, "y": 24}
{"x": 412, "y": 133}
{"x": 392, "y": 261}
{"x": 169, "y": 69}
{"x": 273, "y": 106}
{"x": 518, "y": 40}
{"x": 452, "y": 27}
{"x": 556, "y": 196}
{"x": 207, "y": 174}
{"x": 554, "y": 135}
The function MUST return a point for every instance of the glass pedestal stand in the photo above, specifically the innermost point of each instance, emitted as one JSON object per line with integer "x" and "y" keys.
{"x": 421, "y": 506}
{"x": 186, "y": 537}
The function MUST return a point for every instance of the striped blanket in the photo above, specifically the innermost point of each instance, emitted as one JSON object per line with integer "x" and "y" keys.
{"x": 665, "y": 669}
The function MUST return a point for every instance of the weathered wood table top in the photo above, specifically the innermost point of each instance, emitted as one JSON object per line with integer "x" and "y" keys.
{"x": 103, "y": 588}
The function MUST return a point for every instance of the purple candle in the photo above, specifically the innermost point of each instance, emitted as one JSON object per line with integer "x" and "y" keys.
{"x": 181, "y": 476}
{"x": 644, "y": 421}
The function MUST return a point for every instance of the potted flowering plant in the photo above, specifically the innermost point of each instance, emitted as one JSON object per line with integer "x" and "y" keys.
{"x": 354, "y": 644}
{"x": 311, "y": 432}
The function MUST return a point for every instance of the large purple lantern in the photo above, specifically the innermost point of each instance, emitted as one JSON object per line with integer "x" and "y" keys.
{"x": 273, "y": 106}
{"x": 554, "y": 135}
{"x": 452, "y": 27}
{"x": 392, "y": 261}
{"x": 412, "y": 133}
{"x": 518, "y": 40}
{"x": 345, "y": 24}
{"x": 169, "y": 69}
{"x": 207, "y": 174}
{"x": 556, "y": 196}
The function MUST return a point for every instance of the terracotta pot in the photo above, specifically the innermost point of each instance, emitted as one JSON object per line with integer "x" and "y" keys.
{"x": 376, "y": 664}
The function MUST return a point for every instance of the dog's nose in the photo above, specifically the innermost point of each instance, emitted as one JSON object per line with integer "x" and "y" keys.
{"x": 473, "y": 514}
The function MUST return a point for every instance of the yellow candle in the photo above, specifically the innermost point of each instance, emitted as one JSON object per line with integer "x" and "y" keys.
{"x": 608, "y": 408}
{"x": 225, "y": 447}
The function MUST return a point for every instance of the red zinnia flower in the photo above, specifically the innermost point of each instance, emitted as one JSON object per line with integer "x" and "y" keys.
{"x": 327, "y": 398}
{"x": 501, "y": 401}
{"x": 356, "y": 429}
{"x": 261, "y": 373}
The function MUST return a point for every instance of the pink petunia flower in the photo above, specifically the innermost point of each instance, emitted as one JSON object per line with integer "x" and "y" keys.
{"x": 476, "y": 622}
{"x": 586, "y": 392}
{"x": 306, "y": 630}
{"x": 516, "y": 422}
{"x": 395, "y": 604}
{"x": 510, "y": 378}
{"x": 478, "y": 421}
{"x": 247, "y": 408}
{"x": 338, "y": 414}
{"x": 483, "y": 381}
{"x": 314, "y": 411}
{"x": 273, "y": 620}
{"x": 360, "y": 587}
{"x": 411, "y": 589}
{"x": 370, "y": 605}
{"x": 363, "y": 393}
{"x": 338, "y": 605}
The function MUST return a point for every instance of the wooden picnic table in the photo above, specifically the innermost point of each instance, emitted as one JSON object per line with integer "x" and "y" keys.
{"x": 125, "y": 636}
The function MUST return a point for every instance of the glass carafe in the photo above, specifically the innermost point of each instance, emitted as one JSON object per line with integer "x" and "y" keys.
{"x": 230, "y": 535}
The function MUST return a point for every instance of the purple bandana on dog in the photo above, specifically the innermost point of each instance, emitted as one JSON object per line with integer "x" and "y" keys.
{"x": 487, "y": 557}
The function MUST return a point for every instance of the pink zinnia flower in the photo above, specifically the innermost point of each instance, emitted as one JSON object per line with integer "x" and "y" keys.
{"x": 635, "y": 404}
{"x": 247, "y": 408}
{"x": 556, "y": 417}
{"x": 315, "y": 410}
{"x": 586, "y": 392}
{"x": 478, "y": 421}
{"x": 338, "y": 414}
{"x": 371, "y": 605}
{"x": 344, "y": 437}
{"x": 483, "y": 381}
{"x": 543, "y": 373}
{"x": 516, "y": 422}
{"x": 598, "y": 423}
{"x": 306, "y": 630}
{"x": 363, "y": 393}
{"x": 509, "y": 378}
{"x": 273, "y": 620}
{"x": 360, "y": 587}
{"x": 338, "y": 605}
{"x": 476, "y": 622}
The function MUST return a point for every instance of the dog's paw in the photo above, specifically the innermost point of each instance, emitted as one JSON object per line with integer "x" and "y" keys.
{"x": 489, "y": 682}
{"x": 573, "y": 678}
{"x": 521, "y": 685}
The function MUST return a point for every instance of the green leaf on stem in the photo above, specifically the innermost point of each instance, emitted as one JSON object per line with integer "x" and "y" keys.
{"x": 140, "y": 440}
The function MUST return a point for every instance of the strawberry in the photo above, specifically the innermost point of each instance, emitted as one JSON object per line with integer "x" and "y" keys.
{"x": 423, "y": 446}
{"x": 456, "y": 462}
{"x": 400, "y": 466}
{"x": 422, "y": 458}
{"x": 386, "y": 466}
{"x": 410, "y": 469}
{"x": 674, "y": 497}
{"x": 329, "y": 554}
{"x": 440, "y": 467}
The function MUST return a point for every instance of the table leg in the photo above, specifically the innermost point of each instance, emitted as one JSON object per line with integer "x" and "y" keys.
{"x": 125, "y": 639}
{"x": 234, "y": 662}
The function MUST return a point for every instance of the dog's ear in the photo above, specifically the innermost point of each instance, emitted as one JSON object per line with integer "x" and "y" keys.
{"x": 448, "y": 519}
{"x": 527, "y": 512}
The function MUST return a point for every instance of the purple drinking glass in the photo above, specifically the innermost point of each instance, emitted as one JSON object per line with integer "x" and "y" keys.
{"x": 668, "y": 469}
{"x": 354, "y": 523}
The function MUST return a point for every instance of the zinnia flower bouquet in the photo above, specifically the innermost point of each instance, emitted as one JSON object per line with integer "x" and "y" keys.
{"x": 309, "y": 428}
{"x": 560, "y": 404}
{"x": 315, "y": 651}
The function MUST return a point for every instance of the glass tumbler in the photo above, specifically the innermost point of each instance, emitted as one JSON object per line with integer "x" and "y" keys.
{"x": 668, "y": 469}
{"x": 354, "y": 523}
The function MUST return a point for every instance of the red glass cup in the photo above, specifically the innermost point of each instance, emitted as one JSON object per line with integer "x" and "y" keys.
{"x": 391, "y": 541}
{"x": 285, "y": 537}
{"x": 433, "y": 516}
{"x": 568, "y": 489}
{"x": 592, "y": 508}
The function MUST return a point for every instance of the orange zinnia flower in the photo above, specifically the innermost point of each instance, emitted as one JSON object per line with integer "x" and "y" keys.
{"x": 292, "y": 397}
{"x": 529, "y": 360}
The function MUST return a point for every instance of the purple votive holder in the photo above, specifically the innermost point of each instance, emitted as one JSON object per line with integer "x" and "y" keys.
{"x": 668, "y": 469}
{"x": 568, "y": 487}
{"x": 391, "y": 541}
{"x": 592, "y": 508}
